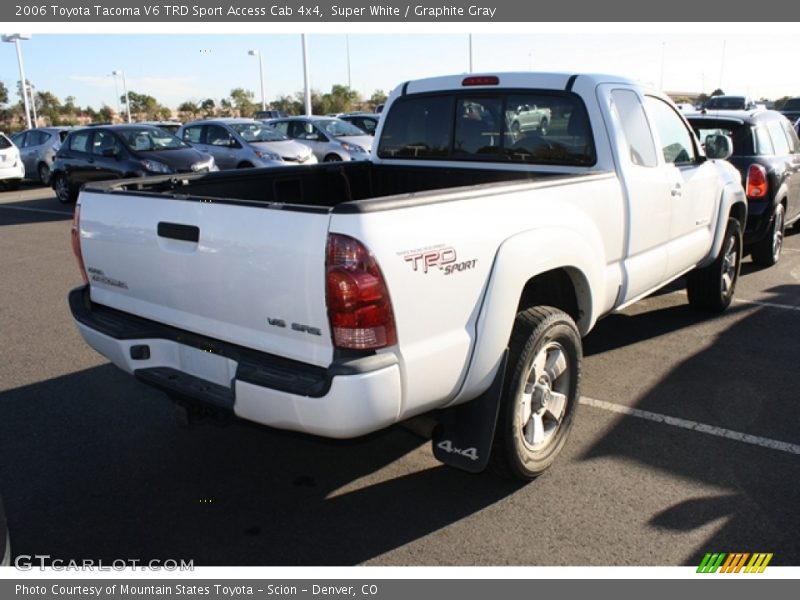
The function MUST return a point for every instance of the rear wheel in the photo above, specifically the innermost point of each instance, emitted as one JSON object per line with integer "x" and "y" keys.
{"x": 540, "y": 393}
{"x": 64, "y": 191}
{"x": 44, "y": 174}
{"x": 543, "y": 127}
{"x": 712, "y": 287}
{"x": 767, "y": 252}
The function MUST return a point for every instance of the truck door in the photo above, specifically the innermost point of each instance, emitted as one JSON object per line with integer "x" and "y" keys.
{"x": 694, "y": 187}
{"x": 647, "y": 187}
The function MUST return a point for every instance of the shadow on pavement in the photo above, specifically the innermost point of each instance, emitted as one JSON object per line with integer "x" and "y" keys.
{"x": 94, "y": 465}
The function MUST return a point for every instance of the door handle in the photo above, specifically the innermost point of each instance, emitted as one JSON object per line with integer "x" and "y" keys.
{"x": 676, "y": 191}
{"x": 178, "y": 231}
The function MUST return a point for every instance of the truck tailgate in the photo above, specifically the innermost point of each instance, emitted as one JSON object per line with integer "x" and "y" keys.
{"x": 248, "y": 274}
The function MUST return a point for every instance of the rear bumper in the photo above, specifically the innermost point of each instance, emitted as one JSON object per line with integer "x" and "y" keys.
{"x": 14, "y": 171}
{"x": 759, "y": 217}
{"x": 349, "y": 398}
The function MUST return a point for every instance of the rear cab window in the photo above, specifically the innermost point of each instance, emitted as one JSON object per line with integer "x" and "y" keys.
{"x": 79, "y": 142}
{"x": 536, "y": 127}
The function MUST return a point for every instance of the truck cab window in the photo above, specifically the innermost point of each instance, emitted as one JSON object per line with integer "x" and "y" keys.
{"x": 677, "y": 142}
{"x": 635, "y": 128}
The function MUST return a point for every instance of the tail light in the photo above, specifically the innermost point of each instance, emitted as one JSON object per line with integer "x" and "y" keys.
{"x": 480, "y": 80}
{"x": 75, "y": 233}
{"x": 757, "y": 184}
{"x": 359, "y": 308}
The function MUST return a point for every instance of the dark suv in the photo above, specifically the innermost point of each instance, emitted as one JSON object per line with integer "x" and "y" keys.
{"x": 766, "y": 150}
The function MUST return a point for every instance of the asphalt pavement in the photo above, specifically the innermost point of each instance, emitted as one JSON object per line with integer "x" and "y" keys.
{"x": 686, "y": 442}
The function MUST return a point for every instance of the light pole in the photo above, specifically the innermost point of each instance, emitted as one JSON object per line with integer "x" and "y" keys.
{"x": 306, "y": 89}
{"x": 116, "y": 94}
{"x": 124, "y": 89}
{"x": 347, "y": 40}
{"x": 33, "y": 105}
{"x": 261, "y": 76}
{"x": 470, "y": 53}
{"x": 16, "y": 38}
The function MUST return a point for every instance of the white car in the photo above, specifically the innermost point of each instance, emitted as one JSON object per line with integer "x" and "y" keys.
{"x": 330, "y": 138}
{"x": 12, "y": 171}
{"x": 5, "y": 544}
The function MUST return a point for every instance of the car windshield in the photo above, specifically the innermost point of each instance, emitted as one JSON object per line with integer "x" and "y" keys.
{"x": 257, "y": 132}
{"x": 338, "y": 128}
{"x": 792, "y": 104}
{"x": 146, "y": 140}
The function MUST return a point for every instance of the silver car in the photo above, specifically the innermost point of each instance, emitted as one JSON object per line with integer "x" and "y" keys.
{"x": 330, "y": 138}
{"x": 38, "y": 148}
{"x": 244, "y": 143}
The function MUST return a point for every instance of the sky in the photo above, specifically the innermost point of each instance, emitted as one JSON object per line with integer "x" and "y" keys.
{"x": 208, "y": 62}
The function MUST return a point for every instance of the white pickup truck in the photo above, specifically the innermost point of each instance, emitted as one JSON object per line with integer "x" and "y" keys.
{"x": 452, "y": 274}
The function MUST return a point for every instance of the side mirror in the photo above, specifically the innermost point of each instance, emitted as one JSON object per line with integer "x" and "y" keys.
{"x": 718, "y": 146}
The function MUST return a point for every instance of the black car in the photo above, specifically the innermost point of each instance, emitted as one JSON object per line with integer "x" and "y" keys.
{"x": 766, "y": 151}
{"x": 119, "y": 152}
{"x": 791, "y": 109}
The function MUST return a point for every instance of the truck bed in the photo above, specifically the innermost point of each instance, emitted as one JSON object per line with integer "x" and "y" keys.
{"x": 354, "y": 187}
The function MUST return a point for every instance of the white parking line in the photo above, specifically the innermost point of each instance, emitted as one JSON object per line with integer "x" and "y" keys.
{"x": 767, "y": 304}
{"x": 728, "y": 434}
{"x": 39, "y": 210}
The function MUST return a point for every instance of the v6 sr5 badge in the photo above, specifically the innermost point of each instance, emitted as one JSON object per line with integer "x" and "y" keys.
{"x": 442, "y": 259}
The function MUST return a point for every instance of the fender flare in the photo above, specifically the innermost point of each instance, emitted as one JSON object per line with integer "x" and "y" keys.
{"x": 519, "y": 259}
{"x": 732, "y": 198}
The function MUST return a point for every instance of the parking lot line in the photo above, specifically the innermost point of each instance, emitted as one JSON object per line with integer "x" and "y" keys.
{"x": 721, "y": 432}
{"x": 767, "y": 304}
{"x": 39, "y": 210}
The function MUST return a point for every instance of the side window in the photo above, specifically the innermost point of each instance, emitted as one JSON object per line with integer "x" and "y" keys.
{"x": 635, "y": 127}
{"x": 282, "y": 127}
{"x": 19, "y": 139}
{"x": 79, "y": 142}
{"x": 791, "y": 135}
{"x": 217, "y": 135}
{"x": 105, "y": 143}
{"x": 367, "y": 125}
{"x": 762, "y": 140}
{"x": 677, "y": 143}
{"x": 192, "y": 134}
{"x": 37, "y": 138}
{"x": 779, "y": 141}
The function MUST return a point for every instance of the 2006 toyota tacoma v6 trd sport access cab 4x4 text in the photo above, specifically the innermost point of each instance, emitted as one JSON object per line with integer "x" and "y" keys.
{"x": 454, "y": 273}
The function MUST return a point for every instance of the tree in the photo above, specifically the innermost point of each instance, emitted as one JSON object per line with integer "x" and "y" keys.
{"x": 289, "y": 105}
{"x": 106, "y": 114}
{"x": 209, "y": 107}
{"x": 378, "y": 97}
{"x": 717, "y": 92}
{"x": 188, "y": 110}
{"x": 242, "y": 101}
{"x": 3, "y": 93}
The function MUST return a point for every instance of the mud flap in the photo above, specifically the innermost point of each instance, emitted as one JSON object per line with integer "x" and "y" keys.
{"x": 463, "y": 437}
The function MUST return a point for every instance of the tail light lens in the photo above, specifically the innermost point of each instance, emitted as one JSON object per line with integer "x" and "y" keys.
{"x": 75, "y": 234}
{"x": 757, "y": 184}
{"x": 359, "y": 308}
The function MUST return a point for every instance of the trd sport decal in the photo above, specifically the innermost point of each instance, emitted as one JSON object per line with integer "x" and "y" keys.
{"x": 443, "y": 258}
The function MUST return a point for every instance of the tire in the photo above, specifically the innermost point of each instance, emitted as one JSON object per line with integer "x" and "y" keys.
{"x": 540, "y": 393}
{"x": 767, "y": 252}
{"x": 244, "y": 165}
{"x": 12, "y": 185}
{"x": 44, "y": 174}
{"x": 712, "y": 287}
{"x": 543, "y": 127}
{"x": 333, "y": 158}
{"x": 64, "y": 192}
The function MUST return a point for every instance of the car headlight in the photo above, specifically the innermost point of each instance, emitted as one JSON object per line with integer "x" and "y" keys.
{"x": 155, "y": 167}
{"x": 263, "y": 154}
{"x": 353, "y": 148}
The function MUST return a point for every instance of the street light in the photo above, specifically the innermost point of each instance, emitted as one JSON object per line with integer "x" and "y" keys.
{"x": 16, "y": 38}
{"x": 31, "y": 87}
{"x": 306, "y": 88}
{"x": 261, "y": 75}
{"x": 125, "y": 89}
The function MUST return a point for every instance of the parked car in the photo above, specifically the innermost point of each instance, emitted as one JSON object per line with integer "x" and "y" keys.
{"x": 729, "y": 103}
{"x": 245, "y": 143}
{"x": 366, "y": 122}
{"x": 38, "y": 149}
{"x": 12, "y": 169}
{"x": 168, "y": 126}
{"x": 766, "y": 151}
{"x": 330, "y": 138}
{"x": 263, "y": 115}
{"x": 529, "y": 117}
{"x": 791, "y": 109}
{"x": 5, "y": 542}
{"x": 121, "y": 151}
